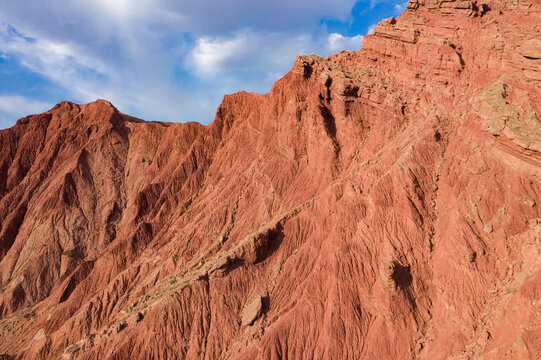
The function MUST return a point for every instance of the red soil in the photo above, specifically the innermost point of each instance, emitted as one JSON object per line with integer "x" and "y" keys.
{"x": 383, "y": 204}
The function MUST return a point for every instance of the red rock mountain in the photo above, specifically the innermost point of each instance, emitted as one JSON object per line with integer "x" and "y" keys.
{"x": 380, "y": 204}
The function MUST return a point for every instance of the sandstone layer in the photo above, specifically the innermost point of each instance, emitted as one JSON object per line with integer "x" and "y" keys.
{"x": 380, "y": 204}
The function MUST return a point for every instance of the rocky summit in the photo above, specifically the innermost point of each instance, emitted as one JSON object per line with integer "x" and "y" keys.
{"x": 380, "y": 204}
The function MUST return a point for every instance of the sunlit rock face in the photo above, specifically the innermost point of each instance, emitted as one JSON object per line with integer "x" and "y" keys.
{"x": 383, "y": 204}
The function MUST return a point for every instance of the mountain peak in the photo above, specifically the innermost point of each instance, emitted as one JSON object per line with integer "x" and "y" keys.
{"x": 374, "y": 204}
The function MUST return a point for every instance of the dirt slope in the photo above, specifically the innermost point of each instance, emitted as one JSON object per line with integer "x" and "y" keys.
{"x": 383, "y": 204}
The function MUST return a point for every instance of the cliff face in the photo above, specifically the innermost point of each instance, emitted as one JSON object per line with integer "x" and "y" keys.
{"x": 383, "y": 204}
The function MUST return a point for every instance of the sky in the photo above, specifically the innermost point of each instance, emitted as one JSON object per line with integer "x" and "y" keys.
{"x": 166, "y": 60}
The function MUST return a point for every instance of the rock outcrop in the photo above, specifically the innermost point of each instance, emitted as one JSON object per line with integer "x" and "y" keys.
{"x": 380, "y": 204}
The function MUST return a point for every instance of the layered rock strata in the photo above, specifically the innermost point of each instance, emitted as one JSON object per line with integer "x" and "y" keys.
{"x": 380, "y": 204}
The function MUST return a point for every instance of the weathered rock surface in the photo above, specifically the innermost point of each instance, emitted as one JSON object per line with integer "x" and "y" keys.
{"x": 252, "y": 311}
{"x": 386, "y": 203}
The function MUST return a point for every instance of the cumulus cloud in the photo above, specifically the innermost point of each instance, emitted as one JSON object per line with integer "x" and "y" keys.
{"x": 337, "y": 42}
{"x": 252, "y": 50}
{"x": 214, "y": 54}
{"x": 247, "y": 50}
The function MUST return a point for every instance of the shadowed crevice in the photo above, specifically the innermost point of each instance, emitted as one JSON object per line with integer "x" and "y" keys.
{"x": 329, "y": 122}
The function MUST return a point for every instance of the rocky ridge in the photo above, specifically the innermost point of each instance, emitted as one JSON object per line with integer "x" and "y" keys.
{"x": 375, "y": 204}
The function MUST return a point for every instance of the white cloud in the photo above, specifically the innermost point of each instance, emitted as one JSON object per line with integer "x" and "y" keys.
{"x": 337, "y": 42}
{"x": 371, "y": 28}
{"x": 212, "y": 54}
{"x": 248, "y": 50}
{"x": 61, "y": 62}
{"x": 373, "y": 3}
{"x": 209, "y": 17}
{"x": 13, "y": 107}
{"x": 273, "y": 53}
{"x": 14, "y": 104}
{"x": 399, "y": 8}
{"x": 121, "y": 8}
{"x": 276, "y": 15}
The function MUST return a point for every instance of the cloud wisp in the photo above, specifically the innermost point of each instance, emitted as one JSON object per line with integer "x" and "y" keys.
{"x": 13, "y": 106}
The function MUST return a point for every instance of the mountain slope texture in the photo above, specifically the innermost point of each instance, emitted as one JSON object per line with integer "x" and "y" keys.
{"x": 380, "y": 204}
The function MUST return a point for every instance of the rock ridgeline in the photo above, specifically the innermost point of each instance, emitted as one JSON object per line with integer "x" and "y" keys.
{"x": 380, "y": 204}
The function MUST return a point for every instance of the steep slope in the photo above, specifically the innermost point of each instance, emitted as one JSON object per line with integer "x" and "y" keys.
{"x": 382, "y": 204}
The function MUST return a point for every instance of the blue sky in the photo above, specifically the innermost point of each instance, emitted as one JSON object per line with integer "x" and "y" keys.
{"x": 164, "y": 59}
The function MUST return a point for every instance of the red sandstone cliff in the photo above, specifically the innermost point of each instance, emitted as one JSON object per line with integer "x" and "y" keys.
{"x": 383, "y": 204}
